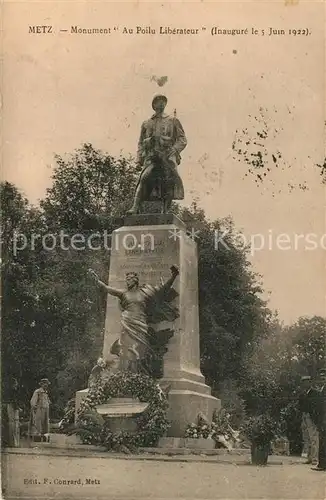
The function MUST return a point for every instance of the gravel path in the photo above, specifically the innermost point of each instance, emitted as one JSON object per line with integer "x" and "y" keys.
{"x": 125, "y": 479}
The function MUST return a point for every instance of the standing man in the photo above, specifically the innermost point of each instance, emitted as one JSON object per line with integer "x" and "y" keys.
{"x": 318, "y": 413}
{"x": 39, "y": 418}
{"x": 309, "y": 429}
{"x": 161, "y": 141}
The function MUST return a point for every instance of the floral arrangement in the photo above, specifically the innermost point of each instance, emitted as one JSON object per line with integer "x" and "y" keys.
{"x": 151, "y": 424}
{"x": 201, "y": 429}
{"x": 261, "y": 429}
{"x": 222, "y": 431}
{"x": 90, "y": 427}
{"x": 219, "y": 430}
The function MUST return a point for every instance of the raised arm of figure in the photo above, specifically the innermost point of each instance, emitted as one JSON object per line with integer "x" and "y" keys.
{"x": 112, "y": 291}
{"x": 168, "y": 284}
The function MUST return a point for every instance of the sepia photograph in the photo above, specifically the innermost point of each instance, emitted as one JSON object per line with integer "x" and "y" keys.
{"x": 163, "y": 250}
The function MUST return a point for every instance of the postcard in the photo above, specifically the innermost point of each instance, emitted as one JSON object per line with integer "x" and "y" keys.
{"x": 163, "y": 250}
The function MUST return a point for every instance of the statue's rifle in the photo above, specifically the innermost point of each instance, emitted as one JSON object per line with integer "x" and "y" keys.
{"x": 174, "y": 123}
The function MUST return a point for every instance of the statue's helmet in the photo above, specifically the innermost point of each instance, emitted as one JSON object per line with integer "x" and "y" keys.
{"x": 157, "y": 97}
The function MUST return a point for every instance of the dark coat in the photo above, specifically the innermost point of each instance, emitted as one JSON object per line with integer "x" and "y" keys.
{"x": 317, "y": 406}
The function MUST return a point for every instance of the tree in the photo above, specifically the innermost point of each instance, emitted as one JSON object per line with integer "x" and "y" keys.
{"x": 267, "y": 363}
{"x": 20, "y": 303}
{"x": 14, "y": 214}
{"x": 309, "y": 341}
{"x": 275, "y": 366}
{"x": 278, "y": 361}
{"x": 90, "y": 189}
{"x": 232, "y": 313}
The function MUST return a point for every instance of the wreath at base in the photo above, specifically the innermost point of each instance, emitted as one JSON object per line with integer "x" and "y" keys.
{"x": 151, "y": 424}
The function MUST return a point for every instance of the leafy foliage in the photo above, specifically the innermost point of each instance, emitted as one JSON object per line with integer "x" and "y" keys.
{"x": 90, "y": 189}
{"x": 22, "y": 307}
{"x": 261, "y": 429}
{"x": 309, "y": 340}
{"x": 232, "y": 403}
{"x": 231, "y": 311}
{"x": 271, "y": 383}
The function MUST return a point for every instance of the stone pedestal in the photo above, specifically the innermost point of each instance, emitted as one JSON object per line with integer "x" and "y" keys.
{"x": 121, "y": 413}
{"x": 150, "y": 250}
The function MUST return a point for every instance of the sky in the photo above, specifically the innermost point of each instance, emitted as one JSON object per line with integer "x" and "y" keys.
{"x": 62, "y": 89}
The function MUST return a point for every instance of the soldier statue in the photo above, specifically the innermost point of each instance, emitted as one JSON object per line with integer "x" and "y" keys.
{"x": 161, "y": 141}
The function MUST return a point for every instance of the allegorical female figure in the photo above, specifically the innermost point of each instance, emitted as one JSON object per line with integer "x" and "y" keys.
{"x": 136, "y": 304}
{"x": 40, "y": 412}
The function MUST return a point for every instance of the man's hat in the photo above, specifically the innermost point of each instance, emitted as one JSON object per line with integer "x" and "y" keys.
{"x": 305, "y": 377}
{"x": 159, "y": 96}
{"x": 45, "y": 381}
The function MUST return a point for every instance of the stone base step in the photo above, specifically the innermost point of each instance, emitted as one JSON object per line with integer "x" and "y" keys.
{"x": 167, "y": 446}
{"x": 194, "y": 451}
{"x": 190, "y": 443}
{"x": 61, "y": 441}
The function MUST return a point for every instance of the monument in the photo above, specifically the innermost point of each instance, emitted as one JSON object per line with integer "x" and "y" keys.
{"x": 153, "y": 276}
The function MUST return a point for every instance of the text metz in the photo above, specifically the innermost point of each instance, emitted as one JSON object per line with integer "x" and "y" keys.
{"x": 40, "y": 29}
